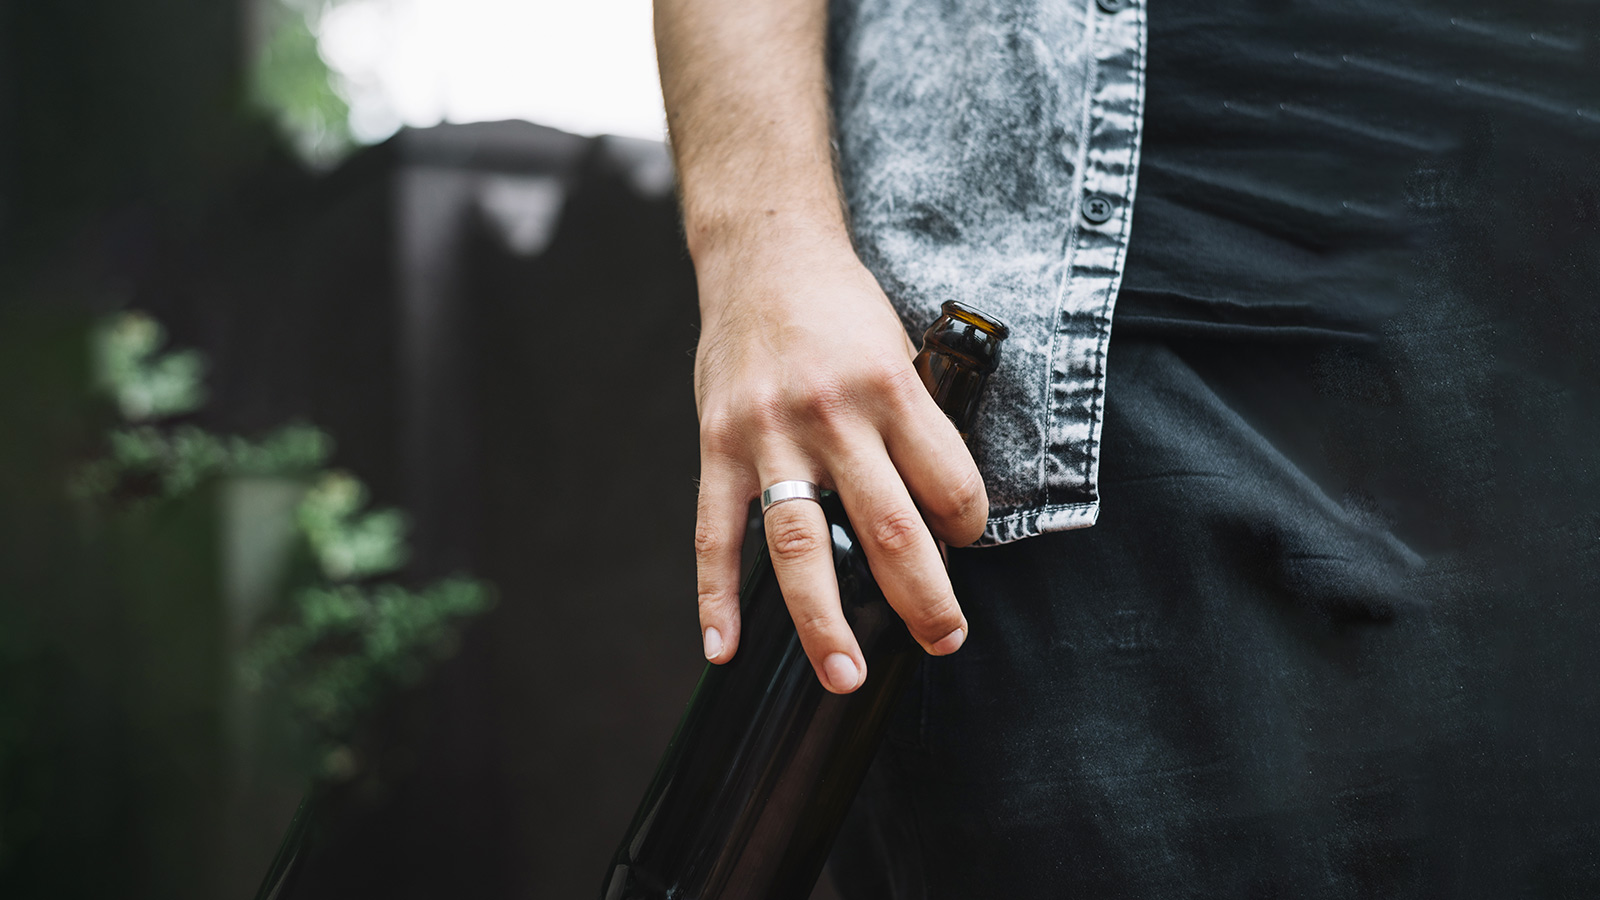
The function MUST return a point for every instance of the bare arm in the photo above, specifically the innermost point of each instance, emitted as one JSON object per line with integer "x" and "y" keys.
{"x": 747, "y": 108}
{"x": 783, "y": 391}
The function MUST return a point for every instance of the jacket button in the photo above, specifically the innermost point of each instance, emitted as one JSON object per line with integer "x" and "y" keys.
{"x": 1113, "y": 6}
{"x": 1097, "y": 208}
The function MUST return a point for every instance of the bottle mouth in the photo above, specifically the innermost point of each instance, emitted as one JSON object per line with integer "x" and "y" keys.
{"x": 955, "y": 309}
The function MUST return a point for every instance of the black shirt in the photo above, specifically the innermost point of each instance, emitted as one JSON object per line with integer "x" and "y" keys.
{"x": 1292, "y": 150}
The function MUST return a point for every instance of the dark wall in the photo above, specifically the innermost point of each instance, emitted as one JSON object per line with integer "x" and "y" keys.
{"x": 494, "y": 322}
{"x": 120, "y": 123}
{"x": 547, "y": 436}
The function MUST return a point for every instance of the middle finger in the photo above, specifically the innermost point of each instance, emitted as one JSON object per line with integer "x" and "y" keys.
{"x": 905, "y": 560}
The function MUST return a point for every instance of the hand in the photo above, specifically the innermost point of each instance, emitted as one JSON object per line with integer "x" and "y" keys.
{"x": 804, "y": 372}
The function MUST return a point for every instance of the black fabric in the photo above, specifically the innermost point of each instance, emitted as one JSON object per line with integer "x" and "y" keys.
{"x": 1290, "y": 148}
{"x": 1243, "y": 684}
{"x": 1333, "y": 635}
{"x": 1218, "y": 691}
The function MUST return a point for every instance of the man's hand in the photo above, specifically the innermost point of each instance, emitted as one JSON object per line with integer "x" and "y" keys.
{"x": 803, "y": 371}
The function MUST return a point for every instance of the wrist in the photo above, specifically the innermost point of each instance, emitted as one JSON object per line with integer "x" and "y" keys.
{"x": 715, "y": 237}
{"x": 769, "y": 253}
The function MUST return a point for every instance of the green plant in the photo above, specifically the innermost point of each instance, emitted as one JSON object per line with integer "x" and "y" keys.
{"x": 346, "y": 646}
{"x": 341, "y": 640}
{"x": 295, "y": 87}
{"x": 144, "y": 382}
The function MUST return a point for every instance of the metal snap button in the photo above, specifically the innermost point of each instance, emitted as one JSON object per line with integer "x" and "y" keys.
{"x": 1113, "y": 6}
{"x": 1097, "y": 208}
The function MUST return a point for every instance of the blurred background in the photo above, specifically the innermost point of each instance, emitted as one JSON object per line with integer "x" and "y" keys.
{"x": 336, "y": 340}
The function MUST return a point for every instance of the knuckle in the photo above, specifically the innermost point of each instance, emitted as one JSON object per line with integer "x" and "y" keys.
{"x": 709, "y": 542}
{"x": 888, "y": 386}
{"x": 965, "y": 504}
{"x": 764, "y": 408}
{"x": 896, "y": 380}
{"x": 825, "y": 401}
{"x": 719, "y": 434}
{"x": 790, "y": 536}
{"x": 897, "y": 532}
{"x": 937, "y": 619}
{"x": 813, "y": 627}
{"x": 712, "y": 600}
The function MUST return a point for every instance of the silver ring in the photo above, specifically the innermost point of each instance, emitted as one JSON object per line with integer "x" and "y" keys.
{"x": 788, "y": 490}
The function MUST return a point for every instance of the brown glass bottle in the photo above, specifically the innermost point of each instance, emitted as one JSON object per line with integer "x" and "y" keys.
{"x": 765, "y": 763}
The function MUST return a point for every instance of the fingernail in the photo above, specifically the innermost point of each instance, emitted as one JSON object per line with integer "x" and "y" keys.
{"x": 950, "y": 643}
{"x": 713, "y": 642}
{"x": 842, "y": 672}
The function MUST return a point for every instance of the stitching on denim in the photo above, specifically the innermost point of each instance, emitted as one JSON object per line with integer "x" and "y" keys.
{"x": 1130, "y": 187}
{"x": 1058, "y": 327}
{"x": 1038, "y": 511}
{"x": 1025, "y": 524}
{"x": 1061, "y": 338}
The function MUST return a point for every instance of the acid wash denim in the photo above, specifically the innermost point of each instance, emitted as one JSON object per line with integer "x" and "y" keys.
{"x": 989, "y": 153}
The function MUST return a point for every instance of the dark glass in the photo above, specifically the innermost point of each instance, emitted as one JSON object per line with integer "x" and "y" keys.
{"x": 757, "y": 780}
{"x": 286, "y": 865}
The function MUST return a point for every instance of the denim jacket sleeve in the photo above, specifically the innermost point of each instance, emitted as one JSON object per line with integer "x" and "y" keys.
{"x": 989, "y": 152}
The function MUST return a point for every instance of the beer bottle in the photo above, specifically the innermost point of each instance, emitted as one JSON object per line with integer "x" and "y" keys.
{"x": 765, "y": 763}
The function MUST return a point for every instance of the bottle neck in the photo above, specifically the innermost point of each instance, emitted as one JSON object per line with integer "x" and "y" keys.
{"x": 955, "y": 385}
{"x": 958, "y": 352}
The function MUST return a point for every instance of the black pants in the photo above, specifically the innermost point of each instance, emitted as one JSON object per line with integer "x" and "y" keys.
{"x": 1318, "y": 645}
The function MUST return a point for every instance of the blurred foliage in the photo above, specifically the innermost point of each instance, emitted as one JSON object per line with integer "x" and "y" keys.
{"x": 114, "y": 764}
{"x": 340, "y": 644}
{"x": 145, "y": 461}
{"x": 294, "y": 85}
{"x": 161, "y": 702}
{"x": 347, "y": 542}
{"x": 348, "y": 645}
{"x": 145, "y": 383}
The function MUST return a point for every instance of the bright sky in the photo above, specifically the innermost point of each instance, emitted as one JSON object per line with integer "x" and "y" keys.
{"x": 586, "y": 66}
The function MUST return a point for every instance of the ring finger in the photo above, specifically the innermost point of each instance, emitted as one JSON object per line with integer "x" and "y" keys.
{"x": 802, "y": 558}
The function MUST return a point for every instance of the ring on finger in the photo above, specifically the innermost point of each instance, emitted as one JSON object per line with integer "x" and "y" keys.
{"x": 789, "y": 490}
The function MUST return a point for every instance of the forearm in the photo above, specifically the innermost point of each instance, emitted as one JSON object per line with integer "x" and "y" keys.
{"x": 803, "y": 370}
{"x": 747, "y": 110}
